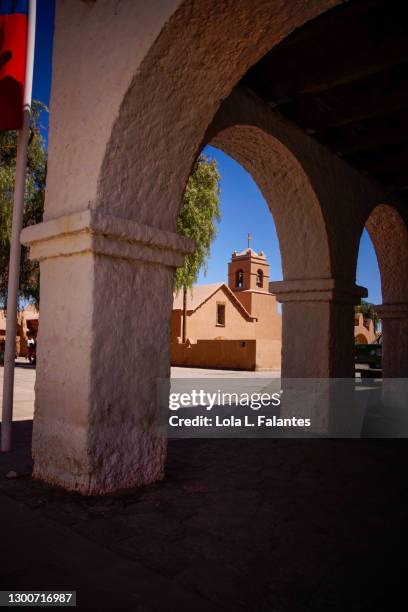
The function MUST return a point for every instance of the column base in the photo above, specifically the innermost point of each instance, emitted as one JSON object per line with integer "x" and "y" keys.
{"x": 96, "y": 471}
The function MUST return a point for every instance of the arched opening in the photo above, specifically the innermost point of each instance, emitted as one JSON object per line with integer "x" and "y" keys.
{"x": 367, "y": 326}
{"x": 239, "y": 279}
{"x": 242, "y": 254}
{"x": 288, "y": 193}
{"x": 368, "y": 271}
{"x": 128, "y": 183}
{"x": 388, "y": 232}
{"x": 193, "y": 72}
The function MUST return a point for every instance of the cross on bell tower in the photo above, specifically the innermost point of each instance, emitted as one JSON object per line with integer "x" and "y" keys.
{"x": 249, "y": 238}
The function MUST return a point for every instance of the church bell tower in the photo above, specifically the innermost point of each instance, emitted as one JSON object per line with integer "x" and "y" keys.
{"x": 248, "y": 271}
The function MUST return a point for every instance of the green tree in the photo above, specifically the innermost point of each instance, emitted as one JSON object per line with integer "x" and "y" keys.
{"x": 197, "y": 220}
{"x": 34, "y": 203}
{"x": 368, "y": 312}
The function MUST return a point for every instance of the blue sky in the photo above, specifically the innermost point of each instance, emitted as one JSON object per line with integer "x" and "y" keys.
{"x": 43, "y": 55}
{"x": 243, "y": 208}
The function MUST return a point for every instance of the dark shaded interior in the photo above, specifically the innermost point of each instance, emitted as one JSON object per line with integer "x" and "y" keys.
{"x": 343, "y": 78}
{"x": 269, "y": 525}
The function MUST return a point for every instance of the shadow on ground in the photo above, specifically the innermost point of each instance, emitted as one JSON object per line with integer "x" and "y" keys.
{"x": 266, "y": 525}
{"x": 24, "y": 365}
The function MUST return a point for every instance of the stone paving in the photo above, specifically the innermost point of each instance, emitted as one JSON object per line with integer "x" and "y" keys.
{"x": 257, "y": 525}
{"x": 24, "y": 380}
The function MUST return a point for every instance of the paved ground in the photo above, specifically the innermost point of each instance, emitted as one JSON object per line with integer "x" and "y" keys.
{"x": 266, "y": 525}
{"x": 201, "y": 373}
{"x": 25, "y": 380}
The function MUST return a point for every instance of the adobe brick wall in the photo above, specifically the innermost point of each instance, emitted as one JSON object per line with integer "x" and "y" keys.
{"x": 215, "y": 354}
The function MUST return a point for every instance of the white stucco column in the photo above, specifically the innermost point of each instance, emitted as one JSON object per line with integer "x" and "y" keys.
{"x": 318, "y": 354}
{"x": 317, "y": 327}
{"x": 104, "y": 340}
{"x": 394, "y": 320}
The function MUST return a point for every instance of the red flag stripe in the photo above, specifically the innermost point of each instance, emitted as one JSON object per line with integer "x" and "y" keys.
{"x": 13, "y": 52}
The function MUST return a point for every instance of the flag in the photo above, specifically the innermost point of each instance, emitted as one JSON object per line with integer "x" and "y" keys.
{"x": 13, "y": 53}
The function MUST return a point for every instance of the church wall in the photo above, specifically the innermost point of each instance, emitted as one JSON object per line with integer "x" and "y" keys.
{"x": 268, "y": 354}
{"x": 245, "y": 297}
{"x": 264, "y": 307}
{"x": 202, "y": 324}
{"x": 228, "y": 354}
{"x": 232, "y": 346}
{"x": 269, "y": 324}
{"x": 217, "y": 354}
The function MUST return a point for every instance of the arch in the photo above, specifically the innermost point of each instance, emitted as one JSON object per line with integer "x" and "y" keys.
{"x": 290, "y": 196}
{"x": 130, "y": 158}
{"x": 199, "y": 56}
{"x": 389, "y": 234}
{"x": 329, "y": 194}
{"x": 239, "y": 278}
{"x": 259, "y": 278}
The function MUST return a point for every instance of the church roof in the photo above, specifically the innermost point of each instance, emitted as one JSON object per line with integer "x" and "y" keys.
{"x": 201, "y": 293}
{"x": 249, "y": 252}
{"x": 195, "y": 296}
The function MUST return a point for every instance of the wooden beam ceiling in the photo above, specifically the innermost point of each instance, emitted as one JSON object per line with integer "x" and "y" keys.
{"x": 343, "y": 77}
{"x": 368, "y": 134}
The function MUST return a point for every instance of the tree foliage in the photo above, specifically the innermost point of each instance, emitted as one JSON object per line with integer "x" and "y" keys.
{"x": 197, "y": 219}
{"x": 33, "y": 207}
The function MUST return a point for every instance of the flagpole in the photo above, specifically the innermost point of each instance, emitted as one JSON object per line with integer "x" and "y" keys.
{"x": 15, "y": 246}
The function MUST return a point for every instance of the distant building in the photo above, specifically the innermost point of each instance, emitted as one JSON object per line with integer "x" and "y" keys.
{"x": 27, "y": 325}
{"x": 234, "y": 326}
{"x": 363, "y": 330}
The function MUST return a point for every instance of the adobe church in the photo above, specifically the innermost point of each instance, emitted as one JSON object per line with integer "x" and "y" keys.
{"x": 234, "y": 326}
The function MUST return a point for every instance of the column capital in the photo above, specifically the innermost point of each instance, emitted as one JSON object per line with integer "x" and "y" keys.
{"x": 392, "y": 311}
{"x": 318, "y": 290}
{"x": 102, "y": 234}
